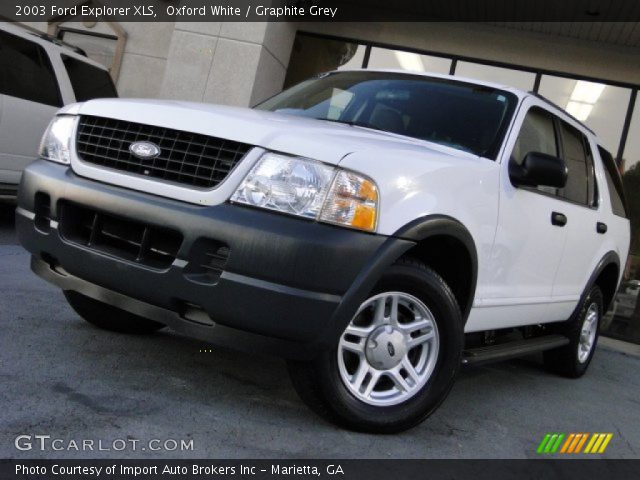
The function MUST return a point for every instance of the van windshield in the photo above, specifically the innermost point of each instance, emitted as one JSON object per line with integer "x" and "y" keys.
{"x": 465, "y": 116}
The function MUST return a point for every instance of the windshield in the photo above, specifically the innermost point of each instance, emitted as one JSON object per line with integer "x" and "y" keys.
{"x": 457, "y": 114}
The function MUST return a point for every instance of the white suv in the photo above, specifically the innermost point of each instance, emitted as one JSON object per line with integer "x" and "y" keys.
{"x": 38, "y": 75}
{"x": 378, "y": 229}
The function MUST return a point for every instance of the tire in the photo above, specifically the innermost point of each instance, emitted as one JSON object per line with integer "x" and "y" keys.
{"x": 572, "y": 360}
{"x": 108, "y": 317}
{"x": 324, "y": 385}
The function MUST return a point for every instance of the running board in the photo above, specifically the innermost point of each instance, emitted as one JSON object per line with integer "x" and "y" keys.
{"x": 519, "y": 348}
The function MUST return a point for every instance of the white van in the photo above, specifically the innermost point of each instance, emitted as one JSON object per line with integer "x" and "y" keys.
{"x": 38, "y": 76}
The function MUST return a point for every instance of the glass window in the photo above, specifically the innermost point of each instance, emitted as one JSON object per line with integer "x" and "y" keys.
{"x": 382, "y": 58}
{"x": 503, "y": 76}
{"x": 575, "y": 158}
{"x": 452, "y": 113}
{"x": 601, "y": 107}
{"x": 88, "y": 81}
{"x": 537, "y": 134}
{"x": 614, "y": 183}
{"x": 100, "y": 48}
{"x": 631, "y": 155}
{"x": 26, "y": 71}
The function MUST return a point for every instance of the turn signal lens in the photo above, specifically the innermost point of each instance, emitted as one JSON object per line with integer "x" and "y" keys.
{"x": 352, "y": 201}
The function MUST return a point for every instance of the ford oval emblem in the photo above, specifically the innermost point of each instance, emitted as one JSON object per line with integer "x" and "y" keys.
{"x": 144, "y": 150}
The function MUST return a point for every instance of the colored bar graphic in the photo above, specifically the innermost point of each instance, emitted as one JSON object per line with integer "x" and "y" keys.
{"x": 543, "y": 443}
{"x": 565, "y": 447}
{"x": 594, "y": 437}
{"x": 598, "y": 443}
{"x": 604, "y": 445}
{"x": 573, "y": 443}
{"x": 557, "y": 444}
{"x": 581, "y": 442}
{"x": 550, "y": 443}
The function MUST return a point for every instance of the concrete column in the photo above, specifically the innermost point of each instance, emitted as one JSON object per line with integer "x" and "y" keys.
{"x": 227, "y": 63}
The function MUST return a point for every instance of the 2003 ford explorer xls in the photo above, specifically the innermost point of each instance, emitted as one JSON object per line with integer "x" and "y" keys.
{"x": 378, "y": 229}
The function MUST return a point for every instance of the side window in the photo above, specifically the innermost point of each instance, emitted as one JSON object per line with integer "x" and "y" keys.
{"x": 592, "y": 185}
{"x": 537, "y": 134}
{"x": 26, "y": 72}
{"x": 575, "y": 157}
{"x": 614, "y": 183}
{"x": 88, "y": 81}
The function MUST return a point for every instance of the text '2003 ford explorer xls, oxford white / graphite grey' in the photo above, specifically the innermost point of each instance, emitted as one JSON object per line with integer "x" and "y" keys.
{"x": 377, "y": 229}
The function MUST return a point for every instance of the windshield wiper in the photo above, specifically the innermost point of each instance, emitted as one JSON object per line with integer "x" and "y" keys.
{"x": 353, "y": 123}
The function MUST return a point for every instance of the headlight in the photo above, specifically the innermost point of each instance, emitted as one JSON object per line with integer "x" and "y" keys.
{"x": 286, "y": 184}
{"x": 310, "y": 189}
{"x": 56, "y": 142}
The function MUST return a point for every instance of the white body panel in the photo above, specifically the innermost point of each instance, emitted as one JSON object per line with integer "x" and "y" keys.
{"x": 321, "y": 140}
{"x": 529, "y": 271}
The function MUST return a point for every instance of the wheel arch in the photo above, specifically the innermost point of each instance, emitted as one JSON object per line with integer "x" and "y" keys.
{"x": 412, "y": 238}
{"x": 446, "y": 245}
{"x": 606, "y": 276}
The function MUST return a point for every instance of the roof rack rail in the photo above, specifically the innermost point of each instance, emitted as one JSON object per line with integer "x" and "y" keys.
{"x": 545, "y": 99}
{"x": 60, "y": 43}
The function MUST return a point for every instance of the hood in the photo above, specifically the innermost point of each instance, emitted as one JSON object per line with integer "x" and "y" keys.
{"x": 318, "y": 139}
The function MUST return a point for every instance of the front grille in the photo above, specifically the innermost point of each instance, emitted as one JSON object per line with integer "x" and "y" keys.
{"x": 185, "y": 158}
{"x": 136, "y": 242}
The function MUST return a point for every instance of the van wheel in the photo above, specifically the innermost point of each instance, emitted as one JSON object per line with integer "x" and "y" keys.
{"x": 397, "y": 359}
{"x": 108, "y": 317}
{"x": 572, "y": 360}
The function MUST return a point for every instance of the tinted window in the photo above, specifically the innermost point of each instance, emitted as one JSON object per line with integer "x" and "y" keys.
{"x": 537, "y": 134}
{"x": 614, "y": 183}
{"x": 26, "y": 72}
{"x": 454, "y": 113}
{"x": 88, "y": 81}
{"x": 575, "y": 157}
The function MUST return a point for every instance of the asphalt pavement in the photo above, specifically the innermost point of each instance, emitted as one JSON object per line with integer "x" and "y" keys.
{"x": 63, "y": 378}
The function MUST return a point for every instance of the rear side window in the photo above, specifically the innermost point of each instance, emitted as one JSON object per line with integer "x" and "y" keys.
{"x": 26, "y": 71}
{"x": 579, "y": 166}
{"x": 614, "y": 183}
{"x": 88, "y": 82}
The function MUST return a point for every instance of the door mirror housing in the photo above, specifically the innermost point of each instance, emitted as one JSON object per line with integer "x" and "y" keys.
{"x": 538, "y": 170}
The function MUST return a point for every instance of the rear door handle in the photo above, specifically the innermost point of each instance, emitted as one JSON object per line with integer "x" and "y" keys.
{"x": 558, "y": 219}
{"x": 601, "y": 227}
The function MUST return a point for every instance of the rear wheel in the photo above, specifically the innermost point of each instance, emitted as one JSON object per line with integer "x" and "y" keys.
{"x": 108, "y": 317}
{"x": 396, "y": 360}
{"x": 572, "y": 360}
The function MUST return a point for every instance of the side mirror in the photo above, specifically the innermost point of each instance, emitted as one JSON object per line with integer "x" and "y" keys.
{"x": 538, "y": 169}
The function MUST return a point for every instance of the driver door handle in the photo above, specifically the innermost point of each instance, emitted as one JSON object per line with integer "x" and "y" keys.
{"x": 558, "y": 219}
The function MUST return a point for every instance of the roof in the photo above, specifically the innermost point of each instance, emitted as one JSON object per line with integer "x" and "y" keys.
{"x": 457, "y": 78}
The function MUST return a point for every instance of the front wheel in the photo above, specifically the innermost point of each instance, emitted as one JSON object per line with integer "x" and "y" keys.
{"x": 395, "y": 362}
